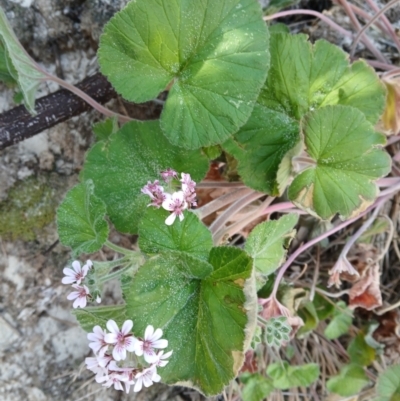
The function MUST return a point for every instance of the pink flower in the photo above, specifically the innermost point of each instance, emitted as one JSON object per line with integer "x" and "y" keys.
{"x": 151, "y": 341}
{"x": 168, "y": 174}
{"x": 98, "y": 344}
{"x": 156, "y": 193}
{"x": 122, "y": 339}
{"x": 146, "y": 378}
{"x": 80, "y": 295}
{"x": 190, "y": 198}
{"x": 115, "y": 379}
{"x": 176, "y": 204}
{"x": 98, "y": 365}
{"x": 160, "y": 361}
{"x": 188, "y": 185}
{"x": 76, "y": 275}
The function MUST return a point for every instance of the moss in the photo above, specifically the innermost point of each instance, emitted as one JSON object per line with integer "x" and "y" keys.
{"x": 30, "y": 205}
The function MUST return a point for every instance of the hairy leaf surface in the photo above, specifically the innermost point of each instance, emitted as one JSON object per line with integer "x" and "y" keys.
{"x": 206, "y": 309}
{"x": 123, "y": 164}
{"x": 80, "y": 220}
{"x": 347, "y": 159}
{"x": 213, "y": 55}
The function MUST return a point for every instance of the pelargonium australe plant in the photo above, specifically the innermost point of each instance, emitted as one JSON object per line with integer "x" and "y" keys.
{"x": 279, "y": 117}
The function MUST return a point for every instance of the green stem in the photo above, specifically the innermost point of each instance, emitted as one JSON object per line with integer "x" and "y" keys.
{"x": 119, "y": 249}
{"x": 118, "y": 273}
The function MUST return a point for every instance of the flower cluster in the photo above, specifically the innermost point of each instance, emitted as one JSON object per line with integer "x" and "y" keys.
{"x": 110, "y": 363}
{"x": 75, "y": 276}
{"x": 174, "y": 201}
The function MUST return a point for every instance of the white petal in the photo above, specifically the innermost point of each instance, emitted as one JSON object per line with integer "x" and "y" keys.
{"x": 138, "y": 385}
{"x": 148, "y": 332}
{"x": 111, "y": 338}
{"x": 76, "y": 266}
{"x": 160, "y": 343}
{"x": 157, "y": 335}
{"x": 156, "y": 377}
{"x": 73, "y": 295}
{"x": 181, "y": 217}
{"x": 68, "y": 280}
{"x": 69, "y": 272}
{"x": 147, "y": 381}
{"x": 178, "y": 196}
{"x": 130, "y": 343}
{"x": 127, "y": 327}
{"x": 138, "y": 348}
{"x": 112, "y": 326}
{"x": 167, "y": 202}
{"x": 119, "y": 353}
{"x": 166, "y": 355}
{"x": 170, "y": 219}
{"x": 150, "y": 357}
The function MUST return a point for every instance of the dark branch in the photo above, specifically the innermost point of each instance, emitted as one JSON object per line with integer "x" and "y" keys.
{"x": 17, "y": 124}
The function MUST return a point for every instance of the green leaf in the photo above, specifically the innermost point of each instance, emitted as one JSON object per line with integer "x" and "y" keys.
{"x": 212, "y": 152}
{"x": 278, "y": 27}
{"x": 80, "y": 220}
{"x": 261, "y": 145}
{"x": 388, "y": 385}
{"x": 5, "y": 75}
{"x": 103, "y": 129}
{"x": 310, "y": 318}
{"x": 213, "y": 55}
{"x": 22, "y": 68}
{"x": 99, "y": 315}
{"x": 207, "y": 311}
{"x": 323, "y": 308}
{"x": 268, "y": 241}
{"x": 190, "y": 235}
{"x": 345, "y": 151}
{"x": 120, "y": 167}
{"x": 276, "y": 5}
{"x": 256, "y": 387}
{"x": 351, "y": 380}
{"x": 340, "y": 322}
{"x": 304, "y": 77}
{"x": 285, "y": 376}
{"x": 360, "y": 352}
{"x": 277, "y": 332}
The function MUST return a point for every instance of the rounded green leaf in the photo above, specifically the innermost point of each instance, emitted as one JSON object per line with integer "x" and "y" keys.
{"x": 351, "y": 380}
{"x": 268, "y": 241}
{"x": 207, "y": 311}
{"x": 285, "y": 376}
{"x": 347, "y": 160}
{"x": 120, "y": 167}
{"x": 80, "y": 220}
{"x": 261, "y": 145}
{"x": 99, "y": 315}
{"x": 189, "y": 235}
{"x": 19, "y": 64}
{"x": 213, "y": 55}
{"x": 388, "y": 385}
{"x": 256, "y": 387}
{"x": 304, "y": 77}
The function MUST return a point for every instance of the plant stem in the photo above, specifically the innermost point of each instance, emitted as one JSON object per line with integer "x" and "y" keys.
{"x": 220, "y": 184}
{"x": 237, "y": 226}
{"x": 368, "y": 24}
{"x": 387, "y": 24}
{"x": 360, "y": 33}
{"x": 278, "y": 207}
{"x": 117, "y": 273}
{"x": 233, "y": 209}
{"x": 220, "y": 202}
{"x": 314, "y": 241}
{"x": 97, "y": 106}
{"x": 322, "y": 17}
{"x": 120, "y": 249}
{"x": 359, "y": 232}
